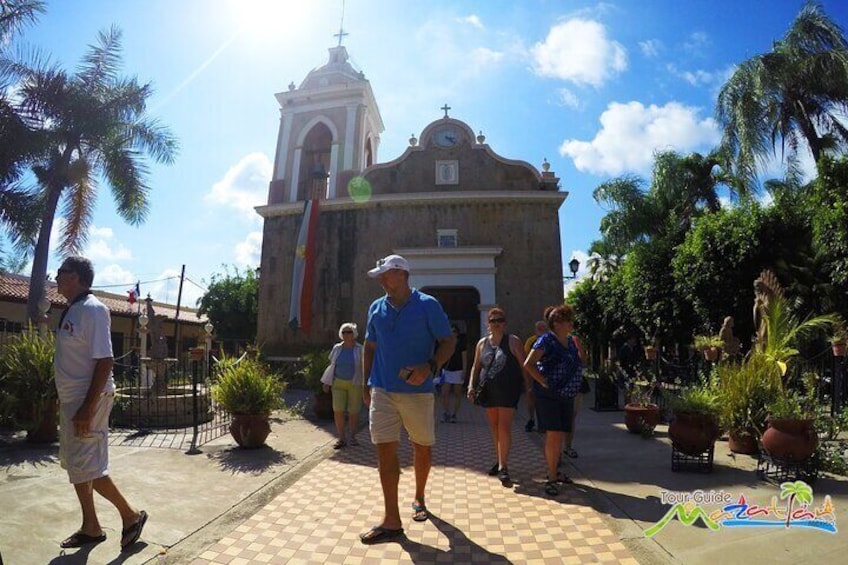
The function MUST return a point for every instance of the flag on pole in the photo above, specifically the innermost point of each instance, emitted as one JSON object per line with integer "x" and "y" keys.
{"x": 133, "y": 293}
{"x": 303, "y": 273}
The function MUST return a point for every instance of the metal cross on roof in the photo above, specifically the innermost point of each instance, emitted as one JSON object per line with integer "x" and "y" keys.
{"x": 445, "y": 108}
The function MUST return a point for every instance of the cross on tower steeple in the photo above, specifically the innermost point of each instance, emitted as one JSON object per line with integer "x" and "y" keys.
{"x": 445, "y": 108}
{"x": 342, "y": 32}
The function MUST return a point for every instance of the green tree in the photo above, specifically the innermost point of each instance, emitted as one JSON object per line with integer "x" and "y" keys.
{"x": 794, "y": 95}
{"x": 232, "y": 303}
{"x": 91, "y": 126}
{"x": 830, "y": 228}
{"x": 798, "y": 490}
{"x": 16, "y": 147}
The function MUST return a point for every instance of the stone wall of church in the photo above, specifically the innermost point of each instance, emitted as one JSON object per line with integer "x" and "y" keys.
{"x": 529, "y": 270}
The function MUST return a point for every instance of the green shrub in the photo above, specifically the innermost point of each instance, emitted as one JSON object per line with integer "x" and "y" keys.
{"x": 702, "y": 399}
{"x": 26, "y": 377}
{"x": 247, "y": 387}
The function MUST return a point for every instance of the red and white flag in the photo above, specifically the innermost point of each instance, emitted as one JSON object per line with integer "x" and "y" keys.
{"x": 133, "y": 293}
{"x": 303, "y": 272}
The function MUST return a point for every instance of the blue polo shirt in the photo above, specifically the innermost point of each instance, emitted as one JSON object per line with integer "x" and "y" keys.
{"x": 405, "y": 336}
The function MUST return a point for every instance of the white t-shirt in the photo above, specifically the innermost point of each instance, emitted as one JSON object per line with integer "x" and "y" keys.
{"x": 83, "y": 337}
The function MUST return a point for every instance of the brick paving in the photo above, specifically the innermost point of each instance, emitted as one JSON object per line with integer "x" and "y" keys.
{"x": 474, "y": 518}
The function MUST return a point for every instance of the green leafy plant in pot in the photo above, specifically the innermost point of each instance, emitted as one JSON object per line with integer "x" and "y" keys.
{"x": 315, "y": 363}
{"x": 29, "y": 397}
{"x": 709, "y": 345}
{"x": 791, "y": 434}
{"x": 695, "y": 428}
{"x": 248, "y": 390}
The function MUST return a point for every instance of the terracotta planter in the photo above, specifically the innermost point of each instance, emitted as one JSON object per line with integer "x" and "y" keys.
{"x": 838, "y": 348}
{"x": 323, "y": 405}
{"x": 650, "y": 352}
{"x": 250, "y": 430}
{"x": 693, "y": 434}
{"x": 790, "y": 440}
{"x": 639, "y": 417}
{"x": 743, "y": 442}
{"x": 47, "y": 428}
{"x": 711, "y": 354}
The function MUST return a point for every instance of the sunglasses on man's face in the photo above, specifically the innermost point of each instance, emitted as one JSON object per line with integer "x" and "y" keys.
{"x": 347, "y": 331}
{"x": 62, "y": 271}
{"x": 497, "y": 320}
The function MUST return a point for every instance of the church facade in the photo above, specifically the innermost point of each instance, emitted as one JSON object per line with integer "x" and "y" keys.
{"x": 478, "y": 229}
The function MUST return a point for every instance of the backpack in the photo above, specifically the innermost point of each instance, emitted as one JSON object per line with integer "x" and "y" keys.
{"x": 562, "y": 383}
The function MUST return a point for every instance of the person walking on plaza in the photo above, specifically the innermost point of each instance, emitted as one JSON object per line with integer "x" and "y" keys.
{"x": 497, "y": 373}
{"x": 541, "y": 328}
{"x": 454, "y": 378}
{"x": 555, "y": 367}
{"x": 83, "y": 374}
{"x": 399, "y": 362}
{"x": 346, "y": 384}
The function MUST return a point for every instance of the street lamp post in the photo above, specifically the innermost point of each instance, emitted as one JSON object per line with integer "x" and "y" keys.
{"x": 574, "y": 266}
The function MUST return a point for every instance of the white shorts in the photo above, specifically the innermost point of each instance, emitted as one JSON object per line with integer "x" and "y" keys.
{"x": 454, "y": 377}
{"x": 390, "y": 410}
{"x": 85, "y": 458}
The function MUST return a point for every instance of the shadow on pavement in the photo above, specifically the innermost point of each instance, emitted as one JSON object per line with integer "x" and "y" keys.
{"x": 255, "y": 461}
{"x": 461, "y": 548}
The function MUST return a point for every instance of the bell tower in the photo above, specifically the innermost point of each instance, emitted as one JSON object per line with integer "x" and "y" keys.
{"x": 331, "y": 120}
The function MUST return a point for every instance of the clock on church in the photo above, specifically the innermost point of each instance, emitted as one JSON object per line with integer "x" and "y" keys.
{"x": 447, "y": 136}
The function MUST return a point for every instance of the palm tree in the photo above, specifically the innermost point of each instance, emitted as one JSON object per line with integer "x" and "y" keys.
{"x": 794, "y": 94}
{"x": 93, "y": 126}
{"x": 681, "y": 188}
{"x": 795, "y": 490}
{"x": 16, "y": 204}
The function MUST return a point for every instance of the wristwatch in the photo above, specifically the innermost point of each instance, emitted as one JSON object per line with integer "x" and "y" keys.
{"x": 433, "y": 365}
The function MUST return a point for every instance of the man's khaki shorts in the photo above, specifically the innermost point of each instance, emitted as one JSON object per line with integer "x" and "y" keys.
{"x": 390, "y": 410}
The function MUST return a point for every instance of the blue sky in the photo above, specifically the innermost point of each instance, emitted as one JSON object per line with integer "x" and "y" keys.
{"x": 593, "y": 87}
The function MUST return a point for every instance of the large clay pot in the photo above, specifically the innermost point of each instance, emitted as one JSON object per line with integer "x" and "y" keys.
{"x": 641, "y": 417}
{"x": 693, "y": 434}
{"x": 323, "y": 405}
{"x": 743, "y": 442}
{"x": 47, "y": 427}
{"x": 790, "y": 440}
{"x": 250, "y": 430}
{"x": 650, "y": 352}
{"x": 711, "y": 354}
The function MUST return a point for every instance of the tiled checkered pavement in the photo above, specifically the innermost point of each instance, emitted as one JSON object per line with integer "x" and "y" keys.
{"x": 474, "y": 519}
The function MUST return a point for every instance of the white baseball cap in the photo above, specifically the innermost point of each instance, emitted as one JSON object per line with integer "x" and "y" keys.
{"x": 387, "y": 263}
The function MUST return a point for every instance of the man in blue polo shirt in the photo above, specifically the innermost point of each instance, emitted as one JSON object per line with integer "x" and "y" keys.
{"x": 399, "y": 364}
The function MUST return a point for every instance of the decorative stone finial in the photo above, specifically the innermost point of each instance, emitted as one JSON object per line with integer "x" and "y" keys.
{"x": 291, "y": 85}
{"x": 545, "y": 165}
{"x": 481, "y": 139}
{"x": 412, "y": 140}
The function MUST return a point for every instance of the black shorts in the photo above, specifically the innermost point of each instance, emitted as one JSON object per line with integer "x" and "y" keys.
{"x": 554, "y": 413}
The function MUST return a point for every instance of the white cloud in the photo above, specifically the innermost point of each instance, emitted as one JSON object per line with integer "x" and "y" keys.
{"x": 630, "y": 134}
{"x": 248, "y": 252}
{"x": 244, "y": 185}
{"x": 102, "y": 247}
{"x": 579, "y": 51}
{"x": 568, "y": 98}
{"x": 651, "y": 48}
{"x": 472, "y": 20}
{"x": 697, "y": 42}
{"x": 485, "y": 57}
{"x": 113, "y": 274}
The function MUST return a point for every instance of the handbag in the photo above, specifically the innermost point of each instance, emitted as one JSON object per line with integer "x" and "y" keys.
{"x": 329, "y": 375}
{"x": 479, "y": 392}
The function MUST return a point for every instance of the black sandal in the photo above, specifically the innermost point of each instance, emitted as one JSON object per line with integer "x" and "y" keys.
{"x": 551, "y": 488}
{"x": 79, "y": 539}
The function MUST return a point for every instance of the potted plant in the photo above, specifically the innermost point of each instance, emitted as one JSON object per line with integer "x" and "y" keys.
{"x": 694, "y": 428}
{"x": 641, "y": 414}
{"x": 315, "y": 363}
{"x": 744, "y": 391}
{"x": 839, "y": 340}
{"x": 248, "y": 390}
{"x": 26, "y": 377}
{"x": 791, "y": 434}
{"x": 709, "y": 345}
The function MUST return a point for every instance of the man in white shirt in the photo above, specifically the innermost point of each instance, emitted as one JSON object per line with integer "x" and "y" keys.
{"x": 83, "y": 374}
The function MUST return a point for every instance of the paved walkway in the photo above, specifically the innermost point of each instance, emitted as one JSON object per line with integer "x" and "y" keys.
{"x": 301, "y": 502}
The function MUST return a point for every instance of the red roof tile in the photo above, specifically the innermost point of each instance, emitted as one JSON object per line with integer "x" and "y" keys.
{"x": 15, "y": 288}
